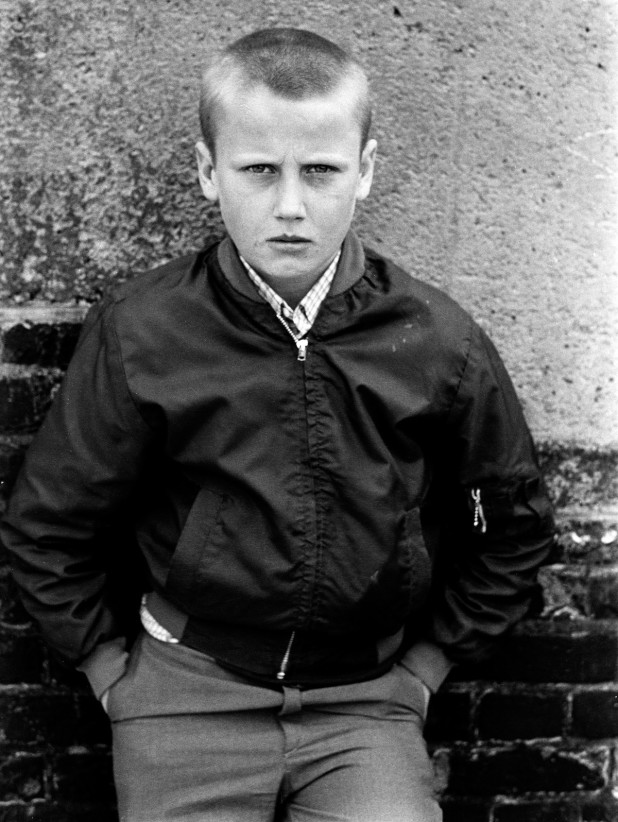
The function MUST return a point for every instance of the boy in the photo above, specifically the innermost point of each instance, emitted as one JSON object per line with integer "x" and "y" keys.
{"x": 327, "y": 471}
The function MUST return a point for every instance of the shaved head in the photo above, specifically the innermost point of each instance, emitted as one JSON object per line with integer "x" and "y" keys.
{"x": 292, "y": 63}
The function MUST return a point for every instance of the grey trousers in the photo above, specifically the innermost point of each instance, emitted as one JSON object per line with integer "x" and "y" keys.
{"x": 192, "y": 741}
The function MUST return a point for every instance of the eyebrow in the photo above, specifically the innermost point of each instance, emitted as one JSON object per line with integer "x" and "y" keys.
{"x": 258, "y": 157}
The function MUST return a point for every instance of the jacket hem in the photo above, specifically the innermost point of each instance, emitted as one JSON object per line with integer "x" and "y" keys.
{"x": 316, "y": 659}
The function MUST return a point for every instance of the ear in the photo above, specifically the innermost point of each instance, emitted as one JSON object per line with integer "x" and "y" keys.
{"x": 206, "y": 172}
{"x": 367, "y": 163}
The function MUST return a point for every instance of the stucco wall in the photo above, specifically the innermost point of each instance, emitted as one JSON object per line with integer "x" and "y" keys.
{"x": 496, "y": 123}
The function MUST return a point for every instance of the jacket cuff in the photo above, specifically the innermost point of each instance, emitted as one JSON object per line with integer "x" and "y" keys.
{"x": 105, "y": 665}
{"x": 429, "y": 663}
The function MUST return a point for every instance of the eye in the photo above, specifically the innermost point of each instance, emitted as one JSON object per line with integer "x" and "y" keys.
{"x": 260, "y": 168}
{"x": 320, "y": 168}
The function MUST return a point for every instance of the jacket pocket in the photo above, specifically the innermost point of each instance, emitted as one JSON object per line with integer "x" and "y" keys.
{"x": 199, "y": 543}
{"x": 401, "y": 584}
{"x": 509, "y": 509}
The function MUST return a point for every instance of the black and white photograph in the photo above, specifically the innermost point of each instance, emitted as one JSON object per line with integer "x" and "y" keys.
{"x": 309, "y": 411}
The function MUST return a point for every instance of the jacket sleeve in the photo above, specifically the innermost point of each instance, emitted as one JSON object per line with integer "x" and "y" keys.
{"x": 76, "y": 481}
{"x": 491, "y": 511}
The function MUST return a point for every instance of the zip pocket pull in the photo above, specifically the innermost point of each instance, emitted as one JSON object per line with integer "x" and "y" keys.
{"x": 283, "y": 669}
{"x": 480, "y": 523}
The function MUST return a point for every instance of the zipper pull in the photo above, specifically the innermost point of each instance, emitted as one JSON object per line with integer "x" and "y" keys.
{"x": 480, "y": 523}
{"x": 286, "y": 658}
{"x": 302, "y": 349}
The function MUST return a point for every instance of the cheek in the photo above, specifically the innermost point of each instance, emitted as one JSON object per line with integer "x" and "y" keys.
{"x": 243, "y": 203}
{"x": 243, "y": 223}
{"x": 337, "y": 206}
{"x": 234, "y": 210}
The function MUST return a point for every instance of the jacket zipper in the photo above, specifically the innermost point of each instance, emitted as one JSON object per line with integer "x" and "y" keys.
{"x": 480, "y": 523}
{"x": 301, "y": 343}
{"x": 286, "y": 658}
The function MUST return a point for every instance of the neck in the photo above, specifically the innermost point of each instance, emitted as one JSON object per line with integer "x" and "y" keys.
{"x": 292, "y": 289}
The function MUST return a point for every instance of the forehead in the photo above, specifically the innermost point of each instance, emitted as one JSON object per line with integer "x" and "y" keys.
{"x": 256, "y": 117}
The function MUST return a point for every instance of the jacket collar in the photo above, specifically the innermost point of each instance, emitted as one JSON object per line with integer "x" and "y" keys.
{"x": 349, "y": 271}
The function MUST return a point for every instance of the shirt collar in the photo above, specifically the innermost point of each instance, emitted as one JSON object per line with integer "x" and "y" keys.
{"x": 350, "y": 270}
{"x": 305, "y": 313}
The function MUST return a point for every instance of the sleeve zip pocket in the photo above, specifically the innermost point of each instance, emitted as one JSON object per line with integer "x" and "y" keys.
{"x": 479, "y": 523}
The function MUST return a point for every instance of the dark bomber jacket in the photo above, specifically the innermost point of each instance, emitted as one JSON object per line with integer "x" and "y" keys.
{"x": 312, "y": 510}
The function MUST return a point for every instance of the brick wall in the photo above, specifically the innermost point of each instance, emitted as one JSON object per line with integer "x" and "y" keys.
{"x": 529, "y": 737}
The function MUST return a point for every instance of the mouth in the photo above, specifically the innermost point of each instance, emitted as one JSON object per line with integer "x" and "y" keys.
{"x": 289, "y": 239}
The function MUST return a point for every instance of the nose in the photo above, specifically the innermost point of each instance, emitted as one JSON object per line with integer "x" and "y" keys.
{"x": 289, "y": 202}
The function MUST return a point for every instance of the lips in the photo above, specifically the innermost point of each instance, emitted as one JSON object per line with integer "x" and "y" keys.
{"x": 289, "y": 239}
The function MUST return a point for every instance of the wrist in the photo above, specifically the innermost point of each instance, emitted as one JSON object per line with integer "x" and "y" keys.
{"x": 429, "y": 663}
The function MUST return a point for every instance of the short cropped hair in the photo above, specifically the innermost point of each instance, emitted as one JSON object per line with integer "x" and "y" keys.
{"x": 294, "y": 63}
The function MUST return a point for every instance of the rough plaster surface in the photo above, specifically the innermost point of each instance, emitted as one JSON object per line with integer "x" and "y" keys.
{"x": 497, "y": 176}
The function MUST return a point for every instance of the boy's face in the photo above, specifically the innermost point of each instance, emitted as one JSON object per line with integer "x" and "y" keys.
{"x": 287, "y": 177}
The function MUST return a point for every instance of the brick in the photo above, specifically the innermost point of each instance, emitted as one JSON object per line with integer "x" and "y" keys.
{"x": 25, "y": 396}
{"x": 575, "y": 651}
{"x": 64, "y": 676}
{"x": 541, "y": 811}
{"x": 39, "y": 326}
{"x": 603, "y": 592}
{"x": 595, "y": 713}
{"x": 449, "y": 717}
{"x": 49, "y": 344}
{"x": 580, "y": 590}
{"x": 84, "y": 776}
{"x": 527, "y": 768}
{"x": 603, "y": 808}
{"x": 565, "y": 591}
{"x": 93, "y": 726}
{"x": 44, "y": 811}
{"x": 21, "y": 777}
{"x": 578, "y": 477}
{"x": 12, "y": 451}
{"x": 31, "y": 718}
{"x": 92, "y": 813}
{"x": 521, "y": 715}
{"x": 21, "y": 659}
{"x": 12, "y": 613}
{"x": 26, "y": 812}
{"x": 38, "y": 811}
{"x": 591, "y": 539}
{"x": 463, "y": 810}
